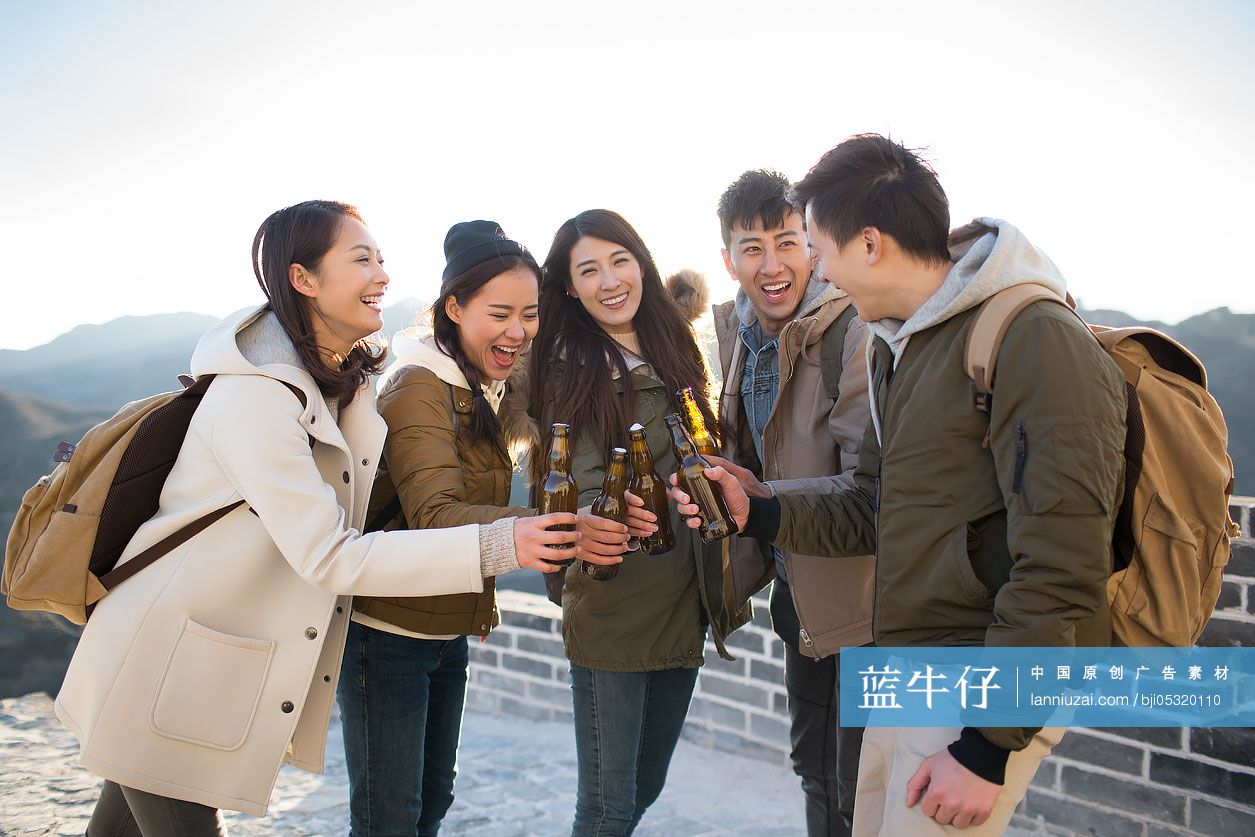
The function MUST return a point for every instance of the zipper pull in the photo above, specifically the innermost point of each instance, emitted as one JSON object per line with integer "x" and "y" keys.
{"x": 806, "y": 638}
{"x": 1021, "y": 454}
{"x": 876, "y": 493}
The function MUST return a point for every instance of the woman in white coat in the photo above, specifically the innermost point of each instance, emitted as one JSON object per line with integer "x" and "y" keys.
{"x": 197, "y": 678}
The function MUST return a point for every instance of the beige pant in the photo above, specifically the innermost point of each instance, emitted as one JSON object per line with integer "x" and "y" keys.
{"x": 892, "y": 755}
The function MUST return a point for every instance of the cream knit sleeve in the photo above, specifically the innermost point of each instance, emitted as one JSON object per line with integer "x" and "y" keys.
{"x": 496, "y": 547}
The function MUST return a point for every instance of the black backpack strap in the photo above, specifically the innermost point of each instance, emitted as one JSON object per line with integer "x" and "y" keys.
{"x": 832, "y": 349}
{"x": 385, "y": 516}
{"x": 164, "y": 546}
{"x": 392, "y": 510}
{"x": 192, "y": 387}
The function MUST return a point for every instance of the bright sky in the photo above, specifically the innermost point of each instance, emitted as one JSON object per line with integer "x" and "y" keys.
{"x": 143, "y": 142}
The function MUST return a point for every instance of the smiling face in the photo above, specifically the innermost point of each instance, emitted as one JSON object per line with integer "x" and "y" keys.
{"x": 607, "y": 279}
{"x": 772, "y": 267}
{"x": 498, "y": 322}
{"x": 345, "y": 289}
{"x": 850, "y": 267}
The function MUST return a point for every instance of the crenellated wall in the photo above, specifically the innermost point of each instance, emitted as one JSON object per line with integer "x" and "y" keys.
{"x": 1141, "y": 782}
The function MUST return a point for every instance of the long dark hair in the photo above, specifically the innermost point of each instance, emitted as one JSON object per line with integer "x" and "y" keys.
{"x": 463, "y": 288}
{"x": 584, "y": 396}
{"x": 302, "y": 234}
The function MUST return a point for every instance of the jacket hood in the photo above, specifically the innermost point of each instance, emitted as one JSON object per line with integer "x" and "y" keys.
{"x": 739, "y": 311}
{"x": 989, "y": 256}
{"x": 252, "y": 342}
{"x": 817, "y": 293}
{"x": 416, "y": 346}
{"x": 689, "y": 290}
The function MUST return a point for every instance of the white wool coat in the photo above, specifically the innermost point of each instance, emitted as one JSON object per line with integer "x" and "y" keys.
{"x": 198, "y": 677}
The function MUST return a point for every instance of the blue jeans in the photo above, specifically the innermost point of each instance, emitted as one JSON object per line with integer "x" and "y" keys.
{"x": 401, "y": 704}
{"x": 626, "y": 728}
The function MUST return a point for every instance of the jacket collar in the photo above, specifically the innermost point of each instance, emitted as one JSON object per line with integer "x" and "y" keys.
{"x": 819, "y": 309}
{"x": 416, "y": 346}
{"x": 737, "y": 313}
{"x": 219, "y": 352}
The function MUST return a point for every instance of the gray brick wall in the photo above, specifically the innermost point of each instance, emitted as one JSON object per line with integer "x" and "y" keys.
{"x": 1143, "y": 782}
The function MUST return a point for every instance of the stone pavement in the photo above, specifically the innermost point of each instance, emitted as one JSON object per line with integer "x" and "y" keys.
{"x": 516, "y": 778}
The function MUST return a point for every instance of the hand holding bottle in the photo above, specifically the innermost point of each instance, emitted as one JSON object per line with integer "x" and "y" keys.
{"x": 601, "y": 540}
{"x": 641, "y": 522}
{"x": 753, "y": 486}
{"x": 536, "y": 547}
{"x": 734, "y": 495}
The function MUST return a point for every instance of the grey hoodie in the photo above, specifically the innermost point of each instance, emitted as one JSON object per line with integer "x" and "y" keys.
{"x": 984, "y": 264}
{"x": 816, "y": 294}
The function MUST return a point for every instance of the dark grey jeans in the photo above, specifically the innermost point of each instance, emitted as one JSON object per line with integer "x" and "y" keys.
{"x": 627, "y": 724}
{"x": 825, "y": 755}
{"x": 126, "y": 812}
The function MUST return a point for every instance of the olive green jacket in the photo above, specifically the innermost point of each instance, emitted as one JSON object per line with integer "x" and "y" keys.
{"x": 988, "y": 529}
{"x": 654, "y": 614}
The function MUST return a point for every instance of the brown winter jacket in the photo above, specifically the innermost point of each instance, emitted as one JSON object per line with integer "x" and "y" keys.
{"x": 998, "y": 540}
{"x": 445, "y": 478}
{"x": 812, "y": 443}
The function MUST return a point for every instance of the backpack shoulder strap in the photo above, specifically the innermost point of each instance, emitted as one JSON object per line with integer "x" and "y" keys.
{"x": 164, "y": 546}
{"x": 393, "y": 511}
{"x": 832, "y": 349}
{"x": 191, "y": 387}
{"x": 993, "y": 318}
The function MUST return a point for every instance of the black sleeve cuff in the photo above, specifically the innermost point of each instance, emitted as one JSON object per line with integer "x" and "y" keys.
{"x": 975, "y": 752}
{"x": 764, "y": 519}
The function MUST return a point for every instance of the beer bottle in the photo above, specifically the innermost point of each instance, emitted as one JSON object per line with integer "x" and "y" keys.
{"x": 611, "y": 505}
{"x": 711, "y": 509}
{"x": 695, "y": 424}
{"x": 559, "y": 493}
{"x": 647, "y": 485}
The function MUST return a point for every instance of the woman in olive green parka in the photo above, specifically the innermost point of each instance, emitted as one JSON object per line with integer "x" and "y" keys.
{"x": 612, "y": 350}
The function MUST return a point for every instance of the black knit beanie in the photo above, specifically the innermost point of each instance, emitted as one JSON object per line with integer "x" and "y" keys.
{"x": 471, "y": 242}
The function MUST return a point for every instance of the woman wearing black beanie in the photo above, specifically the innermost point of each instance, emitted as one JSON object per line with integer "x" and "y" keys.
{"x": 403, "y": 681}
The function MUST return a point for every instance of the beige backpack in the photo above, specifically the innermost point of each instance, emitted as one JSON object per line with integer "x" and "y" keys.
{"x": 75, "y": 522}
{"x": 1171, "y": 539}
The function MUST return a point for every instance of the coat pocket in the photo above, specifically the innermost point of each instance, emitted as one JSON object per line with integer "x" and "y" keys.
{"x": 210, "y": 687}
{"x": 1167, "y": 574}
{"x": 967, "y": 540}
{"x": 1053, "y": 467}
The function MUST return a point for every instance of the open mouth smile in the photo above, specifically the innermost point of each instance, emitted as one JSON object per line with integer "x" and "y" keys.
{"x": 776, "y": 291}
{"x": 504, "y": 356}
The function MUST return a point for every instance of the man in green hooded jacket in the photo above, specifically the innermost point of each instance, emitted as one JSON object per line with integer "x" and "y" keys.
{"x": 989, "y": 529}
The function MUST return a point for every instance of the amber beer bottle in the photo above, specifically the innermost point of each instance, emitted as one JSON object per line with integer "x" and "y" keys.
{"x": 559, "y": 493}
{"x": 611, "y": 505}
{"x": 647, "y": 485}
{"x": 695, "y": 424}
{"x": 711, "y": 509}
